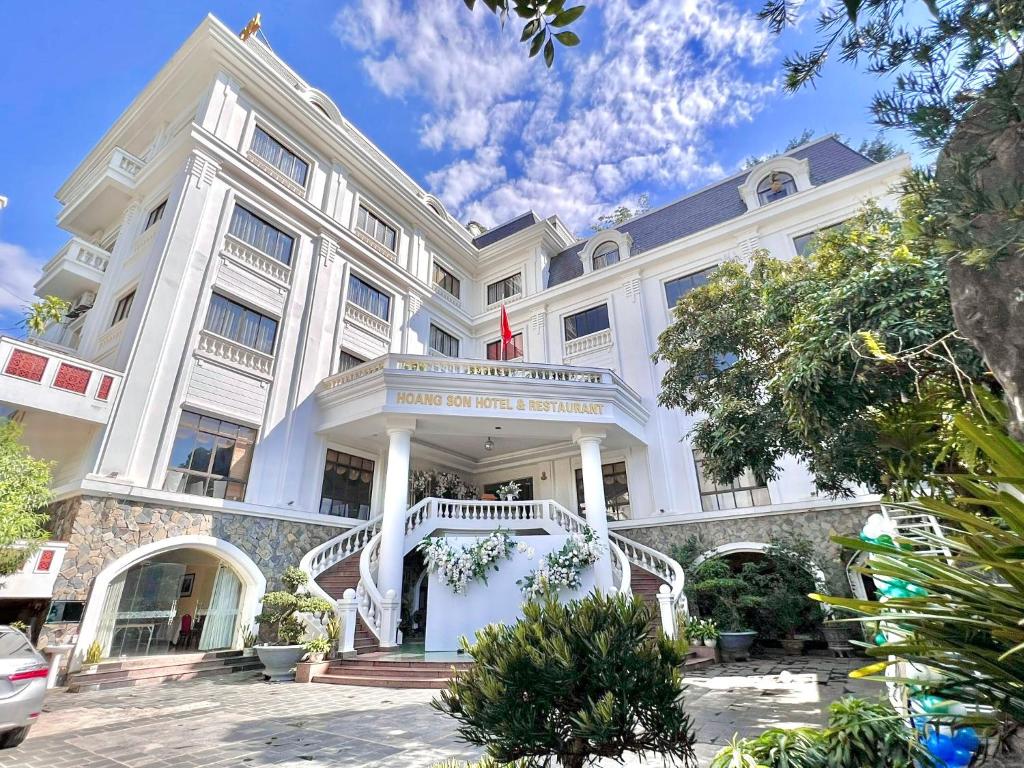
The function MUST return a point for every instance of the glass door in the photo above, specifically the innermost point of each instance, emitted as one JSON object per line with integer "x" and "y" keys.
{"x": 143, "y": 619}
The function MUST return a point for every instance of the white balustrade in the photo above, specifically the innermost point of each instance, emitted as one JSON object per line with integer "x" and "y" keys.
{"x": 255, "y": 259}
{"x": 234, "y": 354}
{"x": 589, "y": 343}
{"x": 368, "y": 321}
{"x": 455, "y": 301}
{"x": 376, "y": 245}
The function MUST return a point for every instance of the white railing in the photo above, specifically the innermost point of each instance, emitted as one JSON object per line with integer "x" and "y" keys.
{"x": 234, "y": 354}
{"x": 444, "y": 294}
{"x": 589, "y": 343}
{"x": 275, "y": 174}
{"x": 661, "y": 565}
{"x": 506, "y": 300}
{"x": 376, "y": 245}
{"x": 256, "y": 260}
{"x": 368, "y": 321}
{"x": 79, "y": 252}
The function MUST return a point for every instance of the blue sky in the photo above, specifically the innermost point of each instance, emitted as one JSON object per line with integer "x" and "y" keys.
{"x": 662, "y": 97}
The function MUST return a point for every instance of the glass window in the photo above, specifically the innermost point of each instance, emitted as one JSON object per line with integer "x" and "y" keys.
{"x": 775, "y": 186}
{"x": 606, "y": 255}
{"x": 443, "y": 342}
{"x": 744, "y": 491}
{"x": 505, "y": 289}
{"x": 586, "y": 322}
{"x": 261, "y": 235}
{"x": 513, "y": 350}
{"x": 676, "y": 289}
{"x": 240, "y": 324}
{"x": 374, "y": 301}
{"x": 803, "y": 242}
{"x": 616, "y": 490}
{"x": 65, "y": 611}
{"x": 210, "y": 457}
{"x": 347, "y": 361}
{"x": 377, "y": 228}
{"x": 279, "y": 156}
{"x": 123, "y": 307}
{"x": 525, "y": 488}
{"x": 446, "y": 280}
{"x": 155, "y": 215}
{"x": 348, "y": 483}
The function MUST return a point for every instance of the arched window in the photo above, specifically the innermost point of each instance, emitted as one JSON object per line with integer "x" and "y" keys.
{"x": 606, "y": 254}
{"x": 775, "y": 186}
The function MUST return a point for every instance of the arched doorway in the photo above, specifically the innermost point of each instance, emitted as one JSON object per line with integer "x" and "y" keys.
{"x": 186, "y": 594}
{"x": 744, "y": 551}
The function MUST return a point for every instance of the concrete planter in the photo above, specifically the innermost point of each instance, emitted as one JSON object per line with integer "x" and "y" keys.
{"x": 279, "y": 661}
{"x": 305, "y": 671}
{"x": 735, "y": 646}
{"x": 793, "y": 646}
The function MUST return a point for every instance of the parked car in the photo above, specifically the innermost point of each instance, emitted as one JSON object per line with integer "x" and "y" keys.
{"x": 23, "y": 673}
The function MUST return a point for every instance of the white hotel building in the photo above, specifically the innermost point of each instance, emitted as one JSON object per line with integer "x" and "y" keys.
{"x": 273, "y": 324}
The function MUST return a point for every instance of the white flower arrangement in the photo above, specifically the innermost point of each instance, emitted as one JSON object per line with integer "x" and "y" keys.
{"x": 441, "y": 485}
{"x": 564, "y": 567}
{"x": 509, "y": 489}
{"x": 458, "y": 567}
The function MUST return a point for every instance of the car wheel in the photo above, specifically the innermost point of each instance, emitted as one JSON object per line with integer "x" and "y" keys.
{"x": 13, "y": 738}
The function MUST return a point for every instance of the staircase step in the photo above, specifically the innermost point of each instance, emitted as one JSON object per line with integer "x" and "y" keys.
{"x": 158, "y": 675}
{"x": 144, "y": 662}
{"x": 381, "y": 682}
{"x": 138, "y": 673}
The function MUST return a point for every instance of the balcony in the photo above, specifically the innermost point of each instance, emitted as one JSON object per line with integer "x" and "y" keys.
{"x": 368, "y": 321}
{"x": 40, "y": 379}
{"x": 77, "y": 267}
{"x": 590, "y": 343}
{"x": 101, "y": 193}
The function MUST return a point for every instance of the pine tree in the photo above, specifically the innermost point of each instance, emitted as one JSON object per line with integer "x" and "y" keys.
{"x": 573, "y": 683}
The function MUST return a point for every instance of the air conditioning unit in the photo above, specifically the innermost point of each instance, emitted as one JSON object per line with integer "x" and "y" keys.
{"x": 81, "y": 305}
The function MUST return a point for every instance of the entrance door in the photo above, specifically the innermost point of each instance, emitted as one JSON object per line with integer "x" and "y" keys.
{"x": 221, "y": 622}
{"x": 140, "y": 608}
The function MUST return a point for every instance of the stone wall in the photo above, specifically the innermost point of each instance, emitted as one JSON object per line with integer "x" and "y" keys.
{"x": 816, "y": 526}
{"x": 100, "y": 530}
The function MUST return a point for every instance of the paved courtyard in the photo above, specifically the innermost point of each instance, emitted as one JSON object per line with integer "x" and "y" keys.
{"x": 236, "y": 720}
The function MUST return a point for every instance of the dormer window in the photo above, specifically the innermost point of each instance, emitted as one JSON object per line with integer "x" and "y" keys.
{"x": 775, "y": 186}
{"x": 606, "y": 254}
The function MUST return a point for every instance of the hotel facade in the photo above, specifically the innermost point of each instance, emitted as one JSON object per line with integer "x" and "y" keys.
{"x": 273, "y": 327}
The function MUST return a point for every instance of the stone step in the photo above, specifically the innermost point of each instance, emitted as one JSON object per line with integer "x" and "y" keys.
{"x": 145, "y": 662}
{"x": 157, "y": 676}
{"x": 399, "y": 672}
{"x": 368, "y": 661}
{"x": 138, "y": 673}
{"x": 381, "y": 682}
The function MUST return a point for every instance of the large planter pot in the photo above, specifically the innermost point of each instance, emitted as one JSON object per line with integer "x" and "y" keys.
{"x": 735, "y": 646}
{"x": 279, "y": 661}
{"x": 838, "y": 638}
{"x": 793, "y": 646}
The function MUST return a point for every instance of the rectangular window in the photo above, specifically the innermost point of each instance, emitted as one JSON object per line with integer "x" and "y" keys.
{"x": 513, "y": 350}
{"x": 446, "y": 281}
{"x": 348, "y": 482}
{"x": 676, "y": 289}
{"x": 123, "y": 307}
{"x": 525, "y": 489}
{"x": 155, "y": 215}
{"x": 279, "y": 156}
{"x": 65, "y": 611}
{"x": 616, "y": 490}
{"x": 505, "y": 289}
{"x": 377, "y": 228}
{"x": 261, "y": 235}
{"x": 242, "y": 325}
{"x": 802, "y": 242}
{"x": 443, "y": 342}
{"x": 210, "y": 457}
{"x": 587, "y": 322}
{"x": 745, "y": 491}
{"x": 374, "y": 301}
{"x": 347, "y": 361}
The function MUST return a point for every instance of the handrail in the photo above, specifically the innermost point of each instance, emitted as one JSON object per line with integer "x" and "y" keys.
{"x": 656, "y": 562}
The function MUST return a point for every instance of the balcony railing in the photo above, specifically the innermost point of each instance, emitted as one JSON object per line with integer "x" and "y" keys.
{"x": 589, "y": 343}
{"x": 368, "y": 321}
{"x": 77, "y": 267}
{"x": 234, "y": 354}
{"x": 256, "y": 260}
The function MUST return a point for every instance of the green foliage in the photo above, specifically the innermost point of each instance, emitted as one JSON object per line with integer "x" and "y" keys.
{"x": 249, "y": 637}
{"x": 293, "y": 578}
{"x": 846, "y": 358}
{"x": 320, "y": 644}
{"x": 622, "y": 214}
{"x": 40, "y": 314}
{"x": 94, "y": 653}
{"x": 333, "y": 629}
{"x": 24, "y": 494}
{"x": 860, "y": 734}
{"x": 281, "y": 608}
{"x": 542, "y": 20}
{"x": 573, "y": 683}
{"x": 878, "y": 149}
{"x": 969, "y": 623}
{"x": 21, "y": 626}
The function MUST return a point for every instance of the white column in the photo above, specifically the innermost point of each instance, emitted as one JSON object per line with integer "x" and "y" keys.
{"x": 593, "y": 496}
{"x": 396, "y": 500}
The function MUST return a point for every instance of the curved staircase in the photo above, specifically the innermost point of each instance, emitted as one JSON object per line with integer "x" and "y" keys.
{"x": 334, "y": 581}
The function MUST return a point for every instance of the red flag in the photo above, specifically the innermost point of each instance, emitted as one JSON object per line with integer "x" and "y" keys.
{"x": 506, "y": 329}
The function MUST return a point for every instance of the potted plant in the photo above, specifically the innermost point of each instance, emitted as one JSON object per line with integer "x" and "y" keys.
{"x": 280, "y": 617}
{"x": 333, "y": 629}
{"x": 726, "y": 600}
{"x": 318, "y": 648}
{"x": 709, "y": 633}
{"x": 509, "y": 491}
{"x": 93, "y": 655}
{"x": 249, "y": 639}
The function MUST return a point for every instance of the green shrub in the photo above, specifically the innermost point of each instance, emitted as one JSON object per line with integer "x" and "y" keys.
{"x": 281, "y": 609}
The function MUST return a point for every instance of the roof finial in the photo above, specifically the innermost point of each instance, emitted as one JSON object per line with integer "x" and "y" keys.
{"x": 251, "y": 27}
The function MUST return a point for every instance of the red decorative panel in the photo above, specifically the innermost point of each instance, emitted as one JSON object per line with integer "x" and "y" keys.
{"x": 26, "y": 365}
{"x": 72, "y": 378}
{"x": 104, "y": 391}
{"x": 45, "y": 560}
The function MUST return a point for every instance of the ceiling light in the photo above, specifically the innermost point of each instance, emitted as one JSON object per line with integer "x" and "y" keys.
{"x": 488, "y": 444}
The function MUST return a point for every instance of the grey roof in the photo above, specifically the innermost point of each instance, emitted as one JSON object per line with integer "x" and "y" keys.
{"x": 829, "y": 159}
{"x": 502, "y": 231}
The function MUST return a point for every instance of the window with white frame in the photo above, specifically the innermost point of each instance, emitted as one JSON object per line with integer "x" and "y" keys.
{"x": 446, "y": 281}
{"x": 775, "y": 186}
{"x": 210, "y": 457}
{"x": 348, "y": 485}
{"x": 242, "y": 325}
{"x": 123, "y": 308}
{"x": 616, "y": 490}
{"x": 377, "y": 228}
{"x": 606, "y": 254}
{"x": 498, "y": 350}
{"x": 279, "y": 156}
{"x": 802, "y": 242}
{"x": 443, "y": 342}
{"x": 680, "y": 286}
{"x": 505, "y": 289}
{"x": 346, "y": 361}
{"x": 261, "y": 234}
{"x": 373, "y": 300}
{"x": 744, "y": 491}
{"x": 155, "y": 215}
{"x": 588, "y": 321}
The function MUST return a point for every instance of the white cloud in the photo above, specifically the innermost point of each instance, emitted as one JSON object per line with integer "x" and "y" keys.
{"x": 631, "y": 114}
{"x": 18, "y": 273}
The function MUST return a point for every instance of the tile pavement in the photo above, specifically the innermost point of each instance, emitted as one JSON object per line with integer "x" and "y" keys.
{"x": 239, "y": 721}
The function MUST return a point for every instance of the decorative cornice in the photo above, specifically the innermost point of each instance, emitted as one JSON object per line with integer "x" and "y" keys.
{"x": 328, "y": 249}
{"x": 202, "y": 170}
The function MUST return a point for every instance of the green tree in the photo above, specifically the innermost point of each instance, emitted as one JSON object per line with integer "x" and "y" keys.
{"x": 846, "y": 358}
{"x": 878, "y": 149}
{"x": 957, "y": 84}
{"x": 573, "y": 683}
{"x": 24, "y": 494}
{"x": 622, "y": 214}
{"x": 39, "y": 314}
{"x": 542, "y": 21}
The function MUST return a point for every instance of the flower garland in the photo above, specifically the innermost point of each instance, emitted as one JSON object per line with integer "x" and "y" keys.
{"x": 457, "y": 568}
{"x": 442, "y": 485}
{"x": 564, "y": 567}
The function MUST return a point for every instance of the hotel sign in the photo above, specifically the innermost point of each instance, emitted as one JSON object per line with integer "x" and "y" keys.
{"x": 499, "y": 404}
